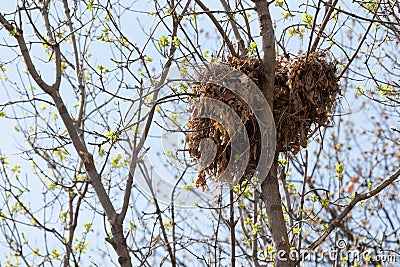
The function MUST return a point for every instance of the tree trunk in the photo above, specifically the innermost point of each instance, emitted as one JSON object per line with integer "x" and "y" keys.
{"x": 270, "y": 187}
{"x": 272, "y": 199}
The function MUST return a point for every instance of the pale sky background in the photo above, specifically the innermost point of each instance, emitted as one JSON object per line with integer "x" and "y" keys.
{"x": 11, "y": 142}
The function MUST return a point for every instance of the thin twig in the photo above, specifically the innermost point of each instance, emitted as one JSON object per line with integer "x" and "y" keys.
{"x": 323, "y": 26}
{"x": 219, "y": 28}
{"x": 359, "y": 197}
{"x": 235, "y": 29}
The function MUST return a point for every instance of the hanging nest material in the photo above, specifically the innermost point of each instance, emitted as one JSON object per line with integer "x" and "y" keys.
{"x": 306, "y": 89}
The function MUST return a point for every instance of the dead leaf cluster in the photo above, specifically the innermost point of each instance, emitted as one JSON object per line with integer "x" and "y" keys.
{"x": 305, "y": 93}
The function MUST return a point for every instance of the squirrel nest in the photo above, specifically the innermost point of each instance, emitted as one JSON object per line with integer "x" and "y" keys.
{"x": 305, "y": 92}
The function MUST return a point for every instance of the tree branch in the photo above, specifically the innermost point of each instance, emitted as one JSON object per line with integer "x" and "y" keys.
{"x": 270, "y": 186}
{"x": 118, "y": 241}
{"x": 268, "y": 48}
{"x": 323, "y": 25}
{"x": 17, "y": 33}
{"x": 336, "y": 222}
{"x": 219, "y": 28}
{"x": 235, "y": 29}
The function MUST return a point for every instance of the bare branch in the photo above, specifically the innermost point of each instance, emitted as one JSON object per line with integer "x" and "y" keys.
{"x": 18, "y": 35}
{"x": 359, "y": 197}
{"x": 235, "y": 29}
{"x": 219, "y": 28}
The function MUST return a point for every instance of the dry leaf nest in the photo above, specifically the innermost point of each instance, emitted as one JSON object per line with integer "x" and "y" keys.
{"x": 305, "y": 93}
